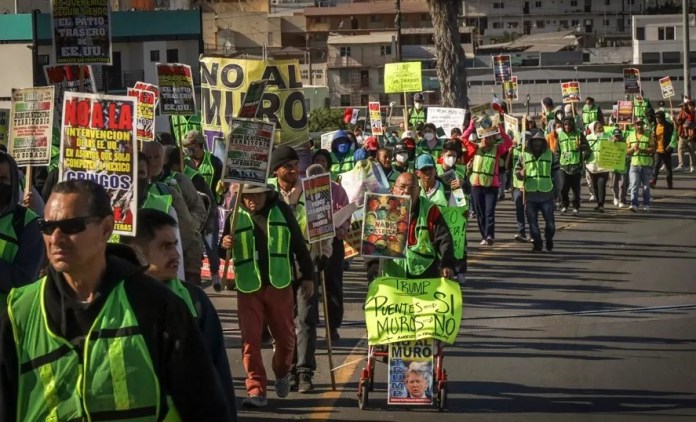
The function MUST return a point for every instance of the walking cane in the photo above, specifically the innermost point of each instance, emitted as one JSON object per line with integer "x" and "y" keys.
{"x": 326, "y": 320}
{"x": 233, "y": 225}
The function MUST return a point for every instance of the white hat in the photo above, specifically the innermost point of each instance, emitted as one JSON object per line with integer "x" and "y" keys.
{"x": 251, "y": 188}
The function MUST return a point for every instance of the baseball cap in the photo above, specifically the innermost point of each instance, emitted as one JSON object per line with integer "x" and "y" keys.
{"x": 617, "y": 132}
{"x": 424, "y": 161}
{"x": 418, "y": 97}
{"x": 409, "y": 134}
{"x": 371, "y": 144}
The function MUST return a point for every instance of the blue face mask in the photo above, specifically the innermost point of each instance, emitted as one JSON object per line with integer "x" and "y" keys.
{"x": 343, "y": 148}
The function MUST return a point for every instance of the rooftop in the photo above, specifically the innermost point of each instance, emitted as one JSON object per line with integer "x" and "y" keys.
{"x": 547, "y": 42}
{"x": 383, "y": 8}
{"x": 371, "y": 38}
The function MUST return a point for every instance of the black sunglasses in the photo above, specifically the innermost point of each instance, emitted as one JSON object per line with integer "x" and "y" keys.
{"x": 67, "y": 226}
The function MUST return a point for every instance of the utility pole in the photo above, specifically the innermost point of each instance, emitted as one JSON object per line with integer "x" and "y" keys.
{"x": 35, "y": 72}
{"x": 685, "y": 50}
{"x": 397, "y": 21}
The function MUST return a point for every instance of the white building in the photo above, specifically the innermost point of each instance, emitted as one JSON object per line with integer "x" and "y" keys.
{"x": 658, "y": 39}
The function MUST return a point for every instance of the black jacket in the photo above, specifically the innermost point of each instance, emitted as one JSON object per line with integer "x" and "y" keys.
{"x": 178, "y": 354}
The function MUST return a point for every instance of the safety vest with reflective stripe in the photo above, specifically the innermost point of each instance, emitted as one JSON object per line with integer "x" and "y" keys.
{"x": 114, "y": 380}
{"x": 420, "y": 256}
{"x": 422, "y": 148}
{"x": 207, "y": 170}
{"x": 537, "y": 172}
{"x": 178, "y": 288}
{"x": 483, "y": 169}
{"x": 570, "y": 148}
{"x": 639, "y": 108}
{"x": 190, "y": 172}
{"x": 416, "y": 116}
{"x": 338, "y": 167}
{"x": 590, "y": 114}
{"x": 640, "y": 159}
{"x": 439, "y": 197}
{"x": 9, "y": 236}
{"x": 246, "y": 267}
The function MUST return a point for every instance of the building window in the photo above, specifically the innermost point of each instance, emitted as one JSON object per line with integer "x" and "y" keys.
{"x": 344, "y": 76}
{"x": 345, "y": 100}
{"x": 364, "y": 99}
{"x": 173, "y": 55}
{"x": 588, "y": 22}
{"x": 563, "y": 24}
{"x": 345, "y": 51}
{"x": 573, "y": 3}
{"x": 651, "y": 58}
{"x": 537, "y": 4}
{"x": 539, "y": 24}
{"x": 385, "y": 50}
{"x": 605, "y": 22}
{"x": 692, "y": 56}
{"x": 574, "y": 23}
{"x": 364, "y": 79}
{"x": 640, "y": 33}
{"x": 375, "y": 18}
{"x": 42, "y": 59}
{"x": 513, "y": 25}
{"x": 665, "y": 33}
{"x": 154, "y": 55}
{"x": 631, "y": 2}
{"x": 384, "y": 99}
{"x": 671, "y": 57}
{"x": 497, "y": 25}
{"x": 425, "y": 17}
{"x": 499, "y": 5}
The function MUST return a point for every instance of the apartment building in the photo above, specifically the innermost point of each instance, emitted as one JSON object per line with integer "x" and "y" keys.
{"x": 658, "y": 39}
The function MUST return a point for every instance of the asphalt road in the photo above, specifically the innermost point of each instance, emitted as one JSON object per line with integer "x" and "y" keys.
{"x": 602, "y": 329}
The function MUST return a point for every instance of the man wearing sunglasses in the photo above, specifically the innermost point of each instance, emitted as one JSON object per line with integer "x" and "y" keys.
{"x": 96, "y": 338}
{"x": 21, "y": 249}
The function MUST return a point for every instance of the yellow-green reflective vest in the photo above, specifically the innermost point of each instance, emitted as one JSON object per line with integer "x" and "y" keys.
{"x": 298, "y": 210}
{"x": 537, "y": 172}
{"x": 178, "y": 288}
{"x": 416, "y": 116}
{"x": 439, "y": 197}
{"x": 422, "y": 148}
{"x": 339, "y": 167}
{"x": 516, "y": 152}
{"x": 246, "y": 267}
{"x": 190, "y": 172}
{"x": 589, "y": 114}
{"x": 206, "y": 169}
{"x": 459, "y": 169}
{"x": 640, "y": 159}
{"x": 114, "y": 381}
{"x": 639, "y": 108}
{"x": 483, "y": 168}
{"x": 570, "y": 148}
{"x": 420, "y": 256}
{"x": 10, "y": 224}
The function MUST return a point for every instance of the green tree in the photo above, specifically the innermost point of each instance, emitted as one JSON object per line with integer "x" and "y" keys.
{"x": 326, "y": 119}
{"x": 451, "y": 70}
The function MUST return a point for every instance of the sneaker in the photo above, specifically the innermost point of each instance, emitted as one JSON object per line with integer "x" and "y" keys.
{"x": 549, "y": 245}
{"x": 679, "y": 168}
{"x": 646, "y": 208}
{"x": 521, "y": 238}
{"x": 663, "y": 168}
{"x": 691, "y": 169}
{"x": 592, "y": 198}
{"x": 622, "y": 205}
{"x": 536, "y": 247}
{"x": 483, "y": 242}
{"x": 255, "y": 400}
{"x": 616, "y": 202}
{"x": 304, "y": 384}
{"x": 564, "y": 210}
{"x": 600, "y": 210}
{"x": 216, "y": 283}
{"x": 633, "y": 208}
{"x": 576, "y": 211}
{"x": 489, "y": 240}
{"x": 282, "y": 386}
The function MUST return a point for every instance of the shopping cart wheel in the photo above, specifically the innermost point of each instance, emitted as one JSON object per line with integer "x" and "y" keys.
{"x": 442, "y": 393}
{"x": 363, "y": 394}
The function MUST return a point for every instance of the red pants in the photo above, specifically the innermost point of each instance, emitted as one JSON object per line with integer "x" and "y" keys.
{"x": 275, "y": 307}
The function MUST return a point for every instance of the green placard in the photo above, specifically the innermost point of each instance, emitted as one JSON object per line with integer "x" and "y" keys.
{"x": 456, "y": 220}
{"x": 402, "y": 77}
{"x": 398, "y": 309}
{"x": 612, "y": 155}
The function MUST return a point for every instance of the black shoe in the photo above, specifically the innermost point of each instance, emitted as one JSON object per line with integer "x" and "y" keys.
{"x": 293, "y": 382}
{"x": 549, "y": 245}
{"x": 304, "y": 384}
{"x": 536, "y": 247}
{"x": 334, "y": 335}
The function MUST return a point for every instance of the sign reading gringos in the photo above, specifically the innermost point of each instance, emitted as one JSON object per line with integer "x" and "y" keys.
{"x": 224, "y": 82}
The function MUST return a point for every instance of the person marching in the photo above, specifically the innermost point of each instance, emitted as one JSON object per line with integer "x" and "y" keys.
{"x": 266, "y": 245}
{"x": 535, "y": 170}
{"x": 572, "y": 147}
{"x": 664, "y": 129}
{"x": 208, "y": 165}
{"x": 641, "y": 148}
{"x": 619, "y": 178}
{"x": 431, "y": 186}
{"x": 451, "y": 156}
{"x": 641, "y": 105}
{"x": 384, "y": 158}
{"x": 342, "y": 152}
{"x": 598, "y": 176}
{"x": 417, "y": 114}
{"x": 685, "y": 120}
{"x": 517, "y": 185}
{"x": 591, "y": 113}
{"x": 404, "y": 155}
{"x": 429, "y": 144}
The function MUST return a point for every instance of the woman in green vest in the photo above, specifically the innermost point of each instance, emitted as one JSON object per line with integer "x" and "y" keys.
{"x": 599, "y": 176}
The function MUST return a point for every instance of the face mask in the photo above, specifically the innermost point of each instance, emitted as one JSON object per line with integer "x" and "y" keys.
{"x": 418, "y": 106}
{"x": 402, "y": 157}
{"x": 343, "y": 148}
{"x": 429, "y": 136}
{"x": 188, "y": 152}
{"x": 5, "y": 194}
{"x": 450, "y": 160}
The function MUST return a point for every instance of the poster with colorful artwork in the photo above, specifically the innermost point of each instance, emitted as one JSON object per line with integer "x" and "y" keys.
{"x": 385, "y": 225}
{"x": 319, "y": 208}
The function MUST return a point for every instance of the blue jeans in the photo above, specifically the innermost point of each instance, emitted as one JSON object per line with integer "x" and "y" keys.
{"x": 546, "y": 209}
{"x": 210, "y": 242}
{"x": 640, "y": 176}
{"x": 519, "y": 211}
{"x": 484, "y": 200}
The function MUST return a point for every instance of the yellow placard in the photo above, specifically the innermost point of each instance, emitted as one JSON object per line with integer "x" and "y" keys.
{"x": 403, "y": 77}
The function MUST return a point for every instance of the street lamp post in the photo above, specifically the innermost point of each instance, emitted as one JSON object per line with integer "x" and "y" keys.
{"x": 685, "y": 48}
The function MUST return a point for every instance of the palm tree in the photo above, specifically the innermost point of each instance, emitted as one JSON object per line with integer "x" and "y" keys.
{"x": 450, "y": 54}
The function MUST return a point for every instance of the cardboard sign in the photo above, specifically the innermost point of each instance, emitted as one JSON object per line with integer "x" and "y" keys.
{"x": 248, "y": 152}
{"x": 385, "y": 225}
{"x": 326, "y": 139}
{"x": 486, "y": 120}
{"x": 666, "y": 87}
{"x": 512, "y": 127}
{"x": 625, "y": 112}
{"x": 570, "y": 92}
{"x": 510, "y": 90}
{"x": 447, "y": 118}
{"x": 502, "y": 68}
{"x": 317, "y": 190}
{"x": 351, "y": 244}
{"x": 375, "y": 119}
{"x": 143, "y": 86}
{"x": 631, "y": 78}
{"x": 612, "y": 155}
{"x": 145, "y": 126}
{"x": 410, "y": 380}
{"x": 66, "y": 78}
{"x": 4, "y": 124}
{"x": 177, "y": 94}
{"x": 31, "y": 126}
{"x": 81, "y": 32}
{"x": 403, "y": 77}
{"x": 98, "y": 143}
{"x": 398, "y": 309}
{"x": 252, "y": 99}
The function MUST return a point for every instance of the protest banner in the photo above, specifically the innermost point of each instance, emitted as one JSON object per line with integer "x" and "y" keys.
{"x": 510, "y": 89}
{"x": 625, "y": 112}
{"x": 326, "y": 139}
{"x": 502, "y": 68}
{"x": 252, "y": 99}
{"x": 177, "y": 95}
{"x": 385, "y": 225}
{"x": 375, "y": 118}
{"x": 666, "y": 87}
{"x": 398, "y": 309}
{"x": 612, "y": 155}
{"x": 447, "y": 118}
{"x": 351, "y": 243}
{"x": 31, "y": 126}
{"x": 224, "y": 82}
{"x": 410, "y": 374}
{"x": 403, "y": 77}
{"x": 98, "y": 143}
{"x": 456, "y": 219}
{"x": 4, "y": 124}
{"x": 512, "y": 127}
{"x": 570, "y": 92}
{"x": 151, "y": 88}
{"x": 631, "y": 78}
{"x": 145, "y": 126}
{"x": 81, "y": 32}
{"x": 248, "y": 152}
{"x": 66, "y": 78}
{"x": 317, "y": 191}
{"x": 486, "y": 120}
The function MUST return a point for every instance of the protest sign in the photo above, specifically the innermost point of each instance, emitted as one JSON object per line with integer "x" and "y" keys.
{"x": 666, "y": 87}
{"x": 354, "y": 114}
{"x": 252, "y": 99}
{"x": 98, "y": 143}
{"x": 385, "y": 225}
{"x": 625, "y": 112}
{"x": 570, "y": 92}
{"x": 410, "y": 377}
{"x": 403, "y": 77}
{"x": 502, "y": 68}
{"x": 446, "y": 118}
{"x": 66, "y": 78}
{"x": 510, "y": 90}
{"x": 181, "y": 125}
{"x": 456, "y": 219}
{"x": 351, "y": 243}
{"x": 31, "y": 126}
{"x": 631, "y": 78}
{"x": 81, "y": 32}
{"x": 248, "y": 152}
{"x": 512, "y": 127}
{"x": 375, "y": 118}
{"x": 224, "y": 82}
{"x": 398, "y": 309}
{"x": 460, "y": 198}
{"x": 177, "y": 95}
{"x": 149, "y": 87}
{"x": 317, "y": 191}
{"x": 326, "y": 139}
{"x": 486, "y": 120}
{"x": 612, "y": 155}
{"x": 145, "y": 126}
{"x": 4, "y": 124}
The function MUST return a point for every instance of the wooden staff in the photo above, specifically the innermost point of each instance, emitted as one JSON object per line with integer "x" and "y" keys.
{"x": 233, "y": 226}
{"x": 326, "y": 320}
{"x": 671, "y": 107}
{"x": 27, "y": 183}
{"x": 405, "y": 112}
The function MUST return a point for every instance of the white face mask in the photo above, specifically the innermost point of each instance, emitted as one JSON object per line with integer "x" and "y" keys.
{"x": 450, "y": 160}
{"x": 402, "y": 157}
{"x": 418, "y": 106}
{"x": 429, "y": 136}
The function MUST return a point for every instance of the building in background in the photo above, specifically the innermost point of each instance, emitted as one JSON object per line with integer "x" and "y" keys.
{"x": 657, "y": 39}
